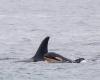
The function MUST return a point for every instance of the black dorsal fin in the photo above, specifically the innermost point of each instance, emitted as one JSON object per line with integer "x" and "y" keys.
{"x": 43, "y": 49}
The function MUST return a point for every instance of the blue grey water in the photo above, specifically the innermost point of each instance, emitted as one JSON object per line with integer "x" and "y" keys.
{"x": 74, "y": 28}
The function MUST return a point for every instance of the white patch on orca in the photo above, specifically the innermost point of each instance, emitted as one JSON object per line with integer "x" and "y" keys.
{"x": 84, "y": 61}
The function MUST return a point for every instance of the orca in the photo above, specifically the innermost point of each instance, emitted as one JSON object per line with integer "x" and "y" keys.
{"x": 52, "y": 57}
{"x": 42, "y": 54}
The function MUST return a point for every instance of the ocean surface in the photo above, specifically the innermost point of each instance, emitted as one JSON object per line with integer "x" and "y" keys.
{"x": 74, "y": 30}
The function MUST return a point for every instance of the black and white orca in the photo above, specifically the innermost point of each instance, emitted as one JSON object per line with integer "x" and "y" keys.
{"x": 42, "y": 54}
{"x": 52, "y": 57}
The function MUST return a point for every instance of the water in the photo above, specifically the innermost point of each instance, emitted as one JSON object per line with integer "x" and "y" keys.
{"x": 73, "y": 27}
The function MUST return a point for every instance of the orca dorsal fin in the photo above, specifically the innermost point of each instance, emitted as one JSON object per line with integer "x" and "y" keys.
{"x": 43, "y": 49}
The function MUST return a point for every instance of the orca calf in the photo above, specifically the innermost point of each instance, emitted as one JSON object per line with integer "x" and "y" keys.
{"x": 42, "y": 54}
{"x": 52, "y": 57}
